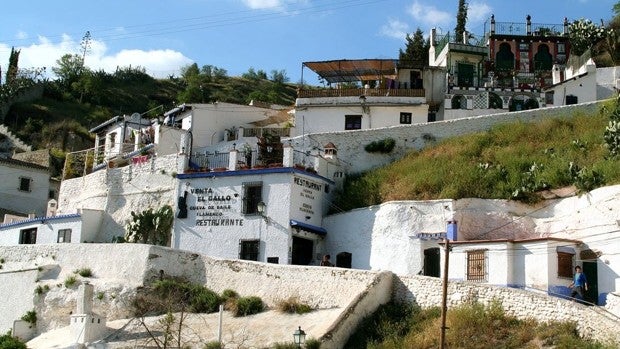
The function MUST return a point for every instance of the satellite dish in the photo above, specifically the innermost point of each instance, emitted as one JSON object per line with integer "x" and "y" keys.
{"x": 135, "y": 117}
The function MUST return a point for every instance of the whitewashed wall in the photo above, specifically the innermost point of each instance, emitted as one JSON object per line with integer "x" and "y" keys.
{"x": 584, "y": 88}
{"x": 383, "y": 237}
{"x": 316, "y": 115}
{"x": 215, "y": 222}
{"x": 118, "y": 191}
{"x": 606, "y": 82}
{"x": 33, "y": 201}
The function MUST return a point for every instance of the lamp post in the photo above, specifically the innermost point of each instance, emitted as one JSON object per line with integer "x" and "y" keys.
{"x": 261, "y": 207}
{"x": 299, "y": 337}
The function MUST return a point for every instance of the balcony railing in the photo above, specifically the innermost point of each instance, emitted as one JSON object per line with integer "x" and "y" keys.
{"x": 356, "y": 92}
{"x": 260, "y": 132}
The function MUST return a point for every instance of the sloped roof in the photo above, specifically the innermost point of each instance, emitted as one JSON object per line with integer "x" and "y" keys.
{"x": 346, "y": 70}
{"x": 21, "y": 163}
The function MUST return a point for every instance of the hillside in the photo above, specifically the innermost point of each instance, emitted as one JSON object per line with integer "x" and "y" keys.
{"x": 510, "y": 161}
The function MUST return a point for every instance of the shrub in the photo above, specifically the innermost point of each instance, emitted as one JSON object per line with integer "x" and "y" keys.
{"x": 382, "y": 146}
{"x": 41, "y": 289}
{"x": 313, "y": 343}
{"x": 229, "y": 298}
{"x": 30, "y": 317}
{"x": 213, "y": 345}
{"x": 203, "y": 300}
{"x": 84, "y": 272}
{"x": 293, "y": 306}
{"x": 249, "y": 306}
{"x": 70, "y": 281}
{"x": 100, "y": 295}
{"x": 7, "y": 341}
{"x": 286, "y": 345}
{"x": 173, "y": 295}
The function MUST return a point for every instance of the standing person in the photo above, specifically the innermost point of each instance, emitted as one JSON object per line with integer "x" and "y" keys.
{"x": 326, "y": 262}
{"x": 579, "y": 284}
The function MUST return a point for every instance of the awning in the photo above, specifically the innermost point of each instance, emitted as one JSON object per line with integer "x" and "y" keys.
{"x": 308, "y": 227}
{"x": 354, "y": 70}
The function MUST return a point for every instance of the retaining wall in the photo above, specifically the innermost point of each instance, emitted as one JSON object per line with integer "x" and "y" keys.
{"x": 350, "y": 144}
{"x": 592, "y": 322}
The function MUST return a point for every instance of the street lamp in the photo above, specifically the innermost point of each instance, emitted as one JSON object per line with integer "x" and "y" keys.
{"x": 299, "y": 337}
{"x": 262, "y": 210}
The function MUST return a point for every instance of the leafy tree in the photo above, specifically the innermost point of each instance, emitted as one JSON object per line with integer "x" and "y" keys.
{"x": 251, "y": 74}
{"x": 68, "y": 68}
{"x": 461, "y": 20}
{"x": 584, "y": 35}
{"x": 11, "y": 74}
{"x": 279, "y": 76}
{"x": 151, "y": 227}
{"x": 213, "y": 73}
{"x": 416, "y": 48}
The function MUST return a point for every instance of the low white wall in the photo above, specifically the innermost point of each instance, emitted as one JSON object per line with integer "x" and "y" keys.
{"x": 118, "y": 191}
{"x": 591, "y": 322}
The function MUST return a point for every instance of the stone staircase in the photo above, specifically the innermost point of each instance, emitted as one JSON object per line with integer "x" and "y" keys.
{"x": 9, "y": 142}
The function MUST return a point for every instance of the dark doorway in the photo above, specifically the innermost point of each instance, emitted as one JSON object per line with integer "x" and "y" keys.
{"x": 591, "y": 271}
{"x": 343, "y": 260}
{"x": 431, "y": 262}
{"x": 465, "y": 75}
{"x": 302, "y": 251}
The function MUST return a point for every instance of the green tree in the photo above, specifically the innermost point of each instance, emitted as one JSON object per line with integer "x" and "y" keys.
{"x": 7, "y": 341}
{"x": 68, "y": 68}
{"x": 584, "y": 35}
{"x": 279, "y": 76}
{"x": 150, "y": 226}
{"x": 416, "y": 48}
{"x": 461, "y": 20}
{"x": 11, "y": 74}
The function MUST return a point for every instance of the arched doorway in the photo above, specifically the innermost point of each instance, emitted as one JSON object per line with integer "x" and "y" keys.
{"x": 542, "y": 58}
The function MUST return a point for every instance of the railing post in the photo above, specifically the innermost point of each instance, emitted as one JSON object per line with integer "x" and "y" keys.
{"x": 287, "y": 155}
{"x": 232, "y": 159}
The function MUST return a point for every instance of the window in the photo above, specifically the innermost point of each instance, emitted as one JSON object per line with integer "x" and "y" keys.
{"x": 476, "y": 268}
{"x": 405, "y": 118}
{"x": 252, "y": 195}
{"x": 51, "y": 194}
{"x": 352, "y": 122}
{"x": 64, "y": 236}
{"x": 248, "y": 250}
{"x": 274, "y": 260}
{"x": 28, "y": 236}
{"x": 565, "y": 264}
{"x": 571, "y": 99}
{"x": 25, "y": 183}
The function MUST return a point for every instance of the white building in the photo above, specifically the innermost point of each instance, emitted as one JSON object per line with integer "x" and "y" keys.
{"x": 68, "y": 228}
{"x": 573, "y": 84}
{"x": 368, "y": 94}
{"x": 270, "y": 215}
{"x": 25, "y": 187}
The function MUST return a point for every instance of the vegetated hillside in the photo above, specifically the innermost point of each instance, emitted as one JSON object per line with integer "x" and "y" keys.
{"x": 511, "y": 161}
{"x": 395, "y": 326}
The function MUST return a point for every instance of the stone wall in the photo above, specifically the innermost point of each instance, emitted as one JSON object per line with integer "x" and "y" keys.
{"x": 118, "y": 191}
{"x": 592, "y": 322}
{"x": 350, "y": 144}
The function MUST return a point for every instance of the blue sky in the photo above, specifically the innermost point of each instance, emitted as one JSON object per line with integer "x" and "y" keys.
{"x": 163, "y": 36}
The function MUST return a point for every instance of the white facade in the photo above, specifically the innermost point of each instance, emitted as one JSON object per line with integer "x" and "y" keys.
{"x": 25, "y": 187}
{"x": 222, "y": 219}
{"x": 388, "y": 236}
{"x": 578, "y": 86}
{"x": 331, "y": 114}
{"x": 607, "y": 82}
{"x": 70, "y": 228}
{"x": 530, "y": 264}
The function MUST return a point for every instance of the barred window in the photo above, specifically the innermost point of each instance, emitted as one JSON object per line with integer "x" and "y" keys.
{"x": 252, "y": 195}
{"x": 352, "y": 122}
{"x": 405, "y": 118}
{"x": 25, "y": 184}
{"x": 476, "y": 265}
{"x": 249, "y": 249}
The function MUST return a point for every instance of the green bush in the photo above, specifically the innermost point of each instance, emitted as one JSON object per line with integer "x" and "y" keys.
{"x": 229, "y": 294}
{"x": 382, "y": 146}
{"x": 39, "y": 290}
{"x": 285, "y": 345}
{"x": 30, "y": 317}
{"x": 313, "y": 343}
{"x": 292, "y": 305}
{"x": 7, "y": 341}
{"x": 173, "y": 295}
{"x": 70, "y": 281}
{"x": 213, "y": 345}
{"x": 203, "y": 300}
{"x": 249, "y": 306}
{"x": 84, "y": 272}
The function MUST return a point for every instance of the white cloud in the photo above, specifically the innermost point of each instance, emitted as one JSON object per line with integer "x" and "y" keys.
{"x": 478, "y": 11}
{"x": 44, "y": 53}
{"x": 429, "y": 14}
{"x": 395, "y": 29}
{"x": 263, "y": 4}
{"x": 21, "y": 35}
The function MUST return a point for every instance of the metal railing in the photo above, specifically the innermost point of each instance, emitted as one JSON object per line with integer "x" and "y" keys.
{"x": 537, "y": 29}
{"x": 355, "y": 92}
{"x": 261, "y": 131}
